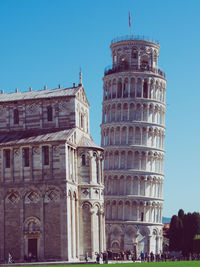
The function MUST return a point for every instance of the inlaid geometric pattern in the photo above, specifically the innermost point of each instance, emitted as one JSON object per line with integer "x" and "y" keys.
{"x": 13, "y": 198}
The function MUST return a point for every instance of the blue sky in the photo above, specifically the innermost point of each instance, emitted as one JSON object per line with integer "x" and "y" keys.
{"x": 45, "y": 42}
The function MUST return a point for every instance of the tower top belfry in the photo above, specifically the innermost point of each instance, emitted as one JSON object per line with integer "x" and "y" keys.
{"x": 134, "y": 53}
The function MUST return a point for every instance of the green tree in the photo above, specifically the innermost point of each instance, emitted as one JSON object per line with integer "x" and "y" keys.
{"x": 175, "y": 234}
{"x": 182, "y": 232}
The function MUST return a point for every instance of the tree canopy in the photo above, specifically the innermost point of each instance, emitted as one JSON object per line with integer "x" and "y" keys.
{"x": 183, "y": 231}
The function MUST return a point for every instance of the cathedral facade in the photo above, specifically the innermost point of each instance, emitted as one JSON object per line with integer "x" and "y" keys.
{"x": 51, "y": 177}
{"x": 132, "y": 131}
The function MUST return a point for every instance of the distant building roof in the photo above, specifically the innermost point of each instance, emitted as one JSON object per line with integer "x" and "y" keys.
{"x": 39, "y": 94}
{"x": 28, "y": 137}
{"x": 86, "y": 142}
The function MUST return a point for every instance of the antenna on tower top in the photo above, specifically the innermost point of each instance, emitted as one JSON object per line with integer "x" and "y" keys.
{"x": 80, "y": 77}
{"x": 130, "y": 23}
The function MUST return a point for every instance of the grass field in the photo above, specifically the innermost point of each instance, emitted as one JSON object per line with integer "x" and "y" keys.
{"x": 149, "y": 264}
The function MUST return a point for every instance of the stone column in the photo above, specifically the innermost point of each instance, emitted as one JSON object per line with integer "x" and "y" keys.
{"x": 74, "y": 227}
{"x": 142, "y": 112}
{"x": 102, "y": 178}
{"x": 51, "y": 161}
{"x": 151, "y": 167}
{"x": 99, "y": 170}
{"x": 129, "y": 87}
{"x": 149, "y": 244}
{"x": 157, "y": 244}
{"x": 145, "y": 185}
{"x": 42, "y": 235}
{"x": 109, "y": 240}
{"x": 31, "y": 162}
{"x": 138, "y": 212}
{"x": 73, "y": 165}
{"x": 119, "y": 159}
{"x": 2, "y": 228}
{"x": 64, "y": 230}
{"x": 122, "y": 81}
{"x": 92, "y": 235}
{"x": 91, "y": 169}
{"x": 123, "y": 210}
{"x": 140, "y": 161}
{"x": 133, "y": 138}
{"x": 125, "y": 182}
{"x": 120, "y": 135}
{"x": 12, "y": 163}
{"x": 161, "y": 244}
{"x": 150, "y": 206}
{"x": 111, "y": 88}
{"x": 148, "y": 112}
{"x": 21, "y": 229}
{"x": 160, "y": 215}
{"x": 144, "y": 216}
{"x": 148, "y": 89}
{"x": 127, "y": 131}
{"x": 122, "y": 242}
{"x": 138, "y": 186}
{"x": 101, "y": 231}
{"x": 136, "y": 86}
{"x": 121, "y": 113}
{"x": 114, "y": 141}
{"x": 132, "y": 184}
{"x": 142, "y": 88}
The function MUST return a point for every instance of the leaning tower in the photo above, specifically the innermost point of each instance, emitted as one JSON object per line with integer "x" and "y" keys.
{"x": 132, "y": 131}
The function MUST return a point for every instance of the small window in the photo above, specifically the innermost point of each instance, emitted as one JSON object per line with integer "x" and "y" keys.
{"x": 26, "y": 157}
{"x": 82, "y": 121}
{"x": 83, "y": 160}
{"x": 45, "y": 155}
{"x": 142, "y": 216}
{"x": 49, "y": 113}
{"x": 16, "y": 116}
{"x": 135, "y": 53}
{"x": 145, "y": 65}
{"x": 7, "y": 158}
{"x": 145, "y": 90}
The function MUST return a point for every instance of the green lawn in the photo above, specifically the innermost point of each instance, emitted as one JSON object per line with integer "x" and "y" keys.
{"x": 149, "y": 264}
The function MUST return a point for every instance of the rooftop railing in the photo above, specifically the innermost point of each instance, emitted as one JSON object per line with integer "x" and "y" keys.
{"x": 121, "y": 68}
{"x": 134, "y": 37}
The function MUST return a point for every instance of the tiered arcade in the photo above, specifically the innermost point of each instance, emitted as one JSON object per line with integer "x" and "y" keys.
{"x": 133, "y": 131}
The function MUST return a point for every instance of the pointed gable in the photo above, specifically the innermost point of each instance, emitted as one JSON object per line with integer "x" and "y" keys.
{"x": 81, "y": 96}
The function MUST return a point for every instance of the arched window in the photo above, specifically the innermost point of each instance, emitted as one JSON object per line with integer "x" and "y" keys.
{"x": 16, "y": 116}
{"x": 145, "y": 90}
{"x": 81, "y": 120}
{"x": 49, "y": 113}
{"x": 145, "y": 65}
{"x": 135, "y": 53}
{"x": 124, "y": 63}
{"x": 7, "y": 158}
{"x": 119, "y": 89}
{"x": 45, "y": 155}
{"x": 26, "y": 157}
{"x": 142, "y": 216}
{"x": 83, "y": 160}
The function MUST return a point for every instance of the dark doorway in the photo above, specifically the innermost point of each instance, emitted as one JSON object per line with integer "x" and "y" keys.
{"x": 32, "y": 248}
